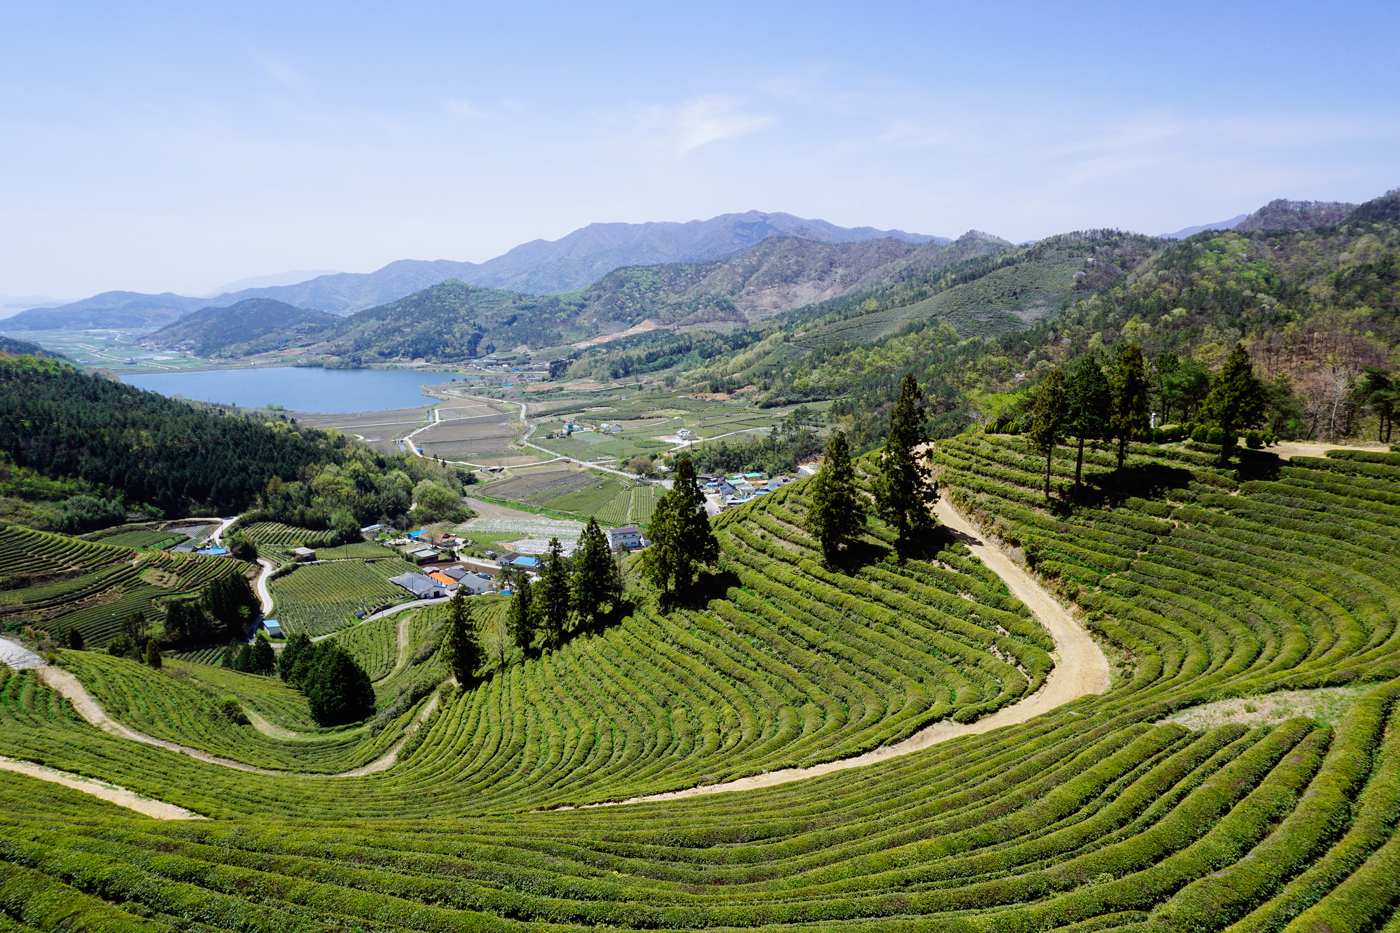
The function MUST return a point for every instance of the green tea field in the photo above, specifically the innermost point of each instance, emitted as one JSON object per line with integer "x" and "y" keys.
{"x": 934, "y": 744}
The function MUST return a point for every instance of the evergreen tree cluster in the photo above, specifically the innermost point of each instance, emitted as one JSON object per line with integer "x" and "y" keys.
{"x": 336, "y": 687}
{"x": 570, "y": 595}
{"x": 151, "y": 448}
{"x": 225, "y": 609}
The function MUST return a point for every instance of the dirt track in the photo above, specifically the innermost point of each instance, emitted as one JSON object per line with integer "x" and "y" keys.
{"x": 70, "y": 687}
{"x": 101, "y": 789}
{"x": 1080, "y": 669}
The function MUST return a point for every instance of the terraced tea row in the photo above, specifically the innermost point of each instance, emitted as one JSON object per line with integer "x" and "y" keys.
{"x": 57, "y": 583}
{"x": 1095, "y": 816}
{"x": 319, "y": 598}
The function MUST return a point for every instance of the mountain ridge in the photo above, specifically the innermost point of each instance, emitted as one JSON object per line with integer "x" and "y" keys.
{"x": 537, "y": 267}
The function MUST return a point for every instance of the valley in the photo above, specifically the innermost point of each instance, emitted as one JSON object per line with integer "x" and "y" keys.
{"x": 880, "y": 584}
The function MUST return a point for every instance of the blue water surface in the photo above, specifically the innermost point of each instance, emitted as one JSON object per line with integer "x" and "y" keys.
{"x": 299, "y": 389}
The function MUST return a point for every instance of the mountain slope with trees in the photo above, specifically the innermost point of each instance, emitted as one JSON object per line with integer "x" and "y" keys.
{"x": 250, "y": 326}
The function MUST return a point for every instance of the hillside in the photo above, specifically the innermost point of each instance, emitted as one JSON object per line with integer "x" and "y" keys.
{"x": 249, "y": 326}
{"x": 1211, "y": 596}
{"x": 25, "y": 348}
{"x": 1294, "y": 215}
{"x": 119, "y": 310}
{"x": 1314, "y": 307}
{"x": 538, "y": 267}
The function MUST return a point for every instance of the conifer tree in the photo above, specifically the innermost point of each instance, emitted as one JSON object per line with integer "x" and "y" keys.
{"x": 904, "y": 489}
{"x": 1047, "y": 418}
{"x": 1236, "y": 400}
{"x": 337, "y": 689}
{"x": 596, "y": 580}
{"x": 837, "y": 514}
{"x": 682, "y": 539}
{"x": 1378, "y": 390}
{"x": 298, "y": 645}
{"x": 522, "y": 613}
{"x": 153, "y": 654}
{"x": 264, "y": 658}
{"x": 460, "y": 650}
{"x": 554, "y": 598}
{"x": 1088, "y": 404}
{"x": 75, "y": 639}
{"x": 1129, "y": 390}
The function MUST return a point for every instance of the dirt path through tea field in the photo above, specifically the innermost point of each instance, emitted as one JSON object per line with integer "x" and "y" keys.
{"x": 1080, "y": 669}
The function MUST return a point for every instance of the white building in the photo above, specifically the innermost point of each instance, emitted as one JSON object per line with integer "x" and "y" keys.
{"x": 624, "y": 538}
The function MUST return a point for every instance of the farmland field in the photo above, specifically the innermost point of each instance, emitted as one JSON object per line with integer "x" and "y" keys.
{"x": 579, "y": 492}
{"x": 54, "y": 583}
{"x": 318, "y": 598}
{"x": 1201, "y": 585}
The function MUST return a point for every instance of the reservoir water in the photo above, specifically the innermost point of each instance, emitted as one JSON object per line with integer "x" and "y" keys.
{"x": 299, "y": 389}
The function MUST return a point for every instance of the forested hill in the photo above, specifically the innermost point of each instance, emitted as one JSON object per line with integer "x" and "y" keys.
{"x": 1313, "y": 307}
{"x": 245, "y": 327}
{"x": 25, "y": 348}
{"x": 455, "y": 321}
{"x": 152, "y": 449}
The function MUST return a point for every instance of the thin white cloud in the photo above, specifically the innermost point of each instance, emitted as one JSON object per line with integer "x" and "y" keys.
{"x": 289, "y": 77}
{"x": 464, "y": 108}
{"x": 672, "y": 132}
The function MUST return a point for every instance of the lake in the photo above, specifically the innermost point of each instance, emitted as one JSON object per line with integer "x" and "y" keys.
{"x": 299, "y": 389}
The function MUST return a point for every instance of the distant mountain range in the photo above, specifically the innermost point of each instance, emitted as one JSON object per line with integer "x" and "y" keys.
{"x": 453, "y": 320}
{"x": 1185, "y": 232}
{"x": 538, "y": 267}
{"x": 295, "y": 277}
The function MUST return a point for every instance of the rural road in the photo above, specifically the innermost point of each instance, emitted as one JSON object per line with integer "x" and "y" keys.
{"x": 1080, "y": 669}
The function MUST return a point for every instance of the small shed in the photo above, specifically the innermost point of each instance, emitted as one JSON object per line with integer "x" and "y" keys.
{"x": 272, "y": 627}
{"x": 304, "y": 553}
{"x": 424, "y": 555}
{"x": 442, "y": 578}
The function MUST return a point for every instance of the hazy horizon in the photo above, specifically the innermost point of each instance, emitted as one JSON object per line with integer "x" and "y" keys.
{"x": 179, "y": 151}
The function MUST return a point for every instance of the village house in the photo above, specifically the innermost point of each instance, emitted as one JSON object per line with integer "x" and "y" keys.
{"x": 625, "y": 538}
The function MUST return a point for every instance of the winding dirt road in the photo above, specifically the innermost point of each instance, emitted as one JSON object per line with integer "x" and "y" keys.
{"x": 1080, "y": 669}
{"x": 65, "y": 683}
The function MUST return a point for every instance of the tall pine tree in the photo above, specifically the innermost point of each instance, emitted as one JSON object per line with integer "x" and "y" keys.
{"x": 682, "y": 540}
{"x": 1047, "y": 418}
{"x": 1129, "y": 389}
{"x": 522, "y": 613}
{"x": 904, "y": 488}
{"x": 1088, "y": 405}
{"x": 460, "y": 650}
{"x": 596, "y": 580}
{"x": 837, "y": 514}
{"x": 1237, "y": 399}
{"x": 554, "y": 598}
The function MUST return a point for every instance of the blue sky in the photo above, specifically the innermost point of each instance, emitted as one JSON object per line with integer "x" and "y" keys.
{"x": 168, "y": 147}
